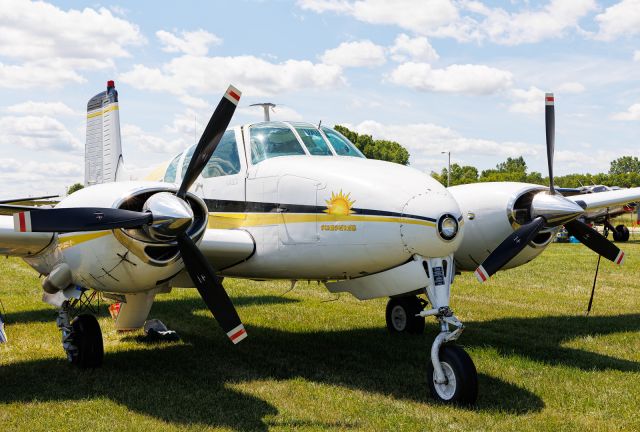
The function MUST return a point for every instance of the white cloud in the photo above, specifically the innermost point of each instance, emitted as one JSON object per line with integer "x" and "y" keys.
{"x": 631, "y": 114}
{"x": 50, "y": 45}
{"x": 355, "y": 54}
{"x": 636, "y": 55}
{"x": 425, "y": 140}
{"x": 194, "y": 42}
{"x": 133, "y": 134}
{"x": 416, "y": 49}
{"x": 252, "y": 75}
{"x": 31, "y": 178}
{"x": 570, "y": 87}
{"x": 465, "y": 79}
{"x": 529, "y": 101}
{"x": 419, "y": 16}
{"x": 621, "y": 19}
{"x": 464, "y": 20}
{"x": 530, "y": 26}
{"x": 41, "y": 108}
{"x": 37, "y": 133}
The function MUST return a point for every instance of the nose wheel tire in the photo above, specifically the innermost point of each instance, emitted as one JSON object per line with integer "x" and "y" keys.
{"x": 461, "y": 385}
{"x": 86, "y": 338}
{"x": 401, "y": 315}
{"x": 621, "y": 233}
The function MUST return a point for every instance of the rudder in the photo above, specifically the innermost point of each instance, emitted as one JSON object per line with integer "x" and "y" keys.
{"x": 103, "y": 148}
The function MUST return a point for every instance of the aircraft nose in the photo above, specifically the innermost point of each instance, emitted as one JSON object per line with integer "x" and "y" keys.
{"x": 431, "y": 224}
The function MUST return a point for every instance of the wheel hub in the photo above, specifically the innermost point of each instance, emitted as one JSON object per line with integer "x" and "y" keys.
{"x": 399, "y": 318}
{"x": 447, "y": 389}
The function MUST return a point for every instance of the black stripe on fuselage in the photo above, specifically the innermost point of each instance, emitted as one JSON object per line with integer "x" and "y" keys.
{"x": 228, "y": 206}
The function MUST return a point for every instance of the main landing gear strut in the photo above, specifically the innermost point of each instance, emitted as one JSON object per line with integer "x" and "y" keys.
{"x": 451, "y": 374}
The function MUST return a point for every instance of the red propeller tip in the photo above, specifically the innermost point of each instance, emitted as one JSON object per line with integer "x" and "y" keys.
{"x": 22, "y": 222}
{"x": 481, "y": 274}
{"x": 620, "y": 258}
{"x": 233, "y": 95}
{"x": 549, "y": 99}
{"x": 237, "y": 334}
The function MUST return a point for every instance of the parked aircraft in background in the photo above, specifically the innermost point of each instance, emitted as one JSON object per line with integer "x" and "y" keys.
{"x": 284, "y": 200}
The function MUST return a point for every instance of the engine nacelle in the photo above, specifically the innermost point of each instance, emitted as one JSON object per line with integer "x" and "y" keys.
{"x": 492, "y": 211}
{"x": 124, "y": 260}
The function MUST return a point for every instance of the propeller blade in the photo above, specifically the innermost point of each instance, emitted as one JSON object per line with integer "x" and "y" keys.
{"x": 595, "y": 241}
{"x": 550, "y": 126}
{"x": 78, "y": 219}
{"x": 211, "y": 290}
{"x": 210, "y": 138}
{"x": 508, "y": 249}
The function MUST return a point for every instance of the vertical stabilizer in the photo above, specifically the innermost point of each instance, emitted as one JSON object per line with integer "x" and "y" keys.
{"x": 103, "y": 150}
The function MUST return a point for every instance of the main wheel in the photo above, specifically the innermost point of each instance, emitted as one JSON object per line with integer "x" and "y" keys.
{"x": 87, "y": 338}
{"x": 461, "y": 386}
{"x": 401, "y": 315}
{"x": 621, "y": 233}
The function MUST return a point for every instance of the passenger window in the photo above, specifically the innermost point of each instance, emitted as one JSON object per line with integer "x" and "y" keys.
{"x": 312, "y": 139}
{"x": 224, "y": 160}
{"x": 270, "y": 140}
{"x": 170, "y": 174}
{"x": 340, "y": 144}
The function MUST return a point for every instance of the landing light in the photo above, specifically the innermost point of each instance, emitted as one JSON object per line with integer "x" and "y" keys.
{"x": 447, "y": 227}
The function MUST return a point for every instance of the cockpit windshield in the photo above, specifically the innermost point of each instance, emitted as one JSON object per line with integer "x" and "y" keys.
{"x": 341, "y": 144}
{"x": 273, "y": 139}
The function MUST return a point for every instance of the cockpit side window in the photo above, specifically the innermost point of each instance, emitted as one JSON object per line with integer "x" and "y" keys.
{"x": 224, "y": 160}
{"x": 341, "y": 144}
{"x": 170, "y": 173}
{"x": 272, "y": 140}
{"x": 187, "y": 158}
{"x": 312, "y": 139}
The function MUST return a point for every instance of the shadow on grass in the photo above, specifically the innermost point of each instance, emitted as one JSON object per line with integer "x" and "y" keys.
{"x": 540, "y": 339}
{"x": 192, "y": 383}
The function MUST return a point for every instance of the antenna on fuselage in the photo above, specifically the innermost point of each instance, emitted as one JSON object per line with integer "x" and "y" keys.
{"x": 265, "y": 106}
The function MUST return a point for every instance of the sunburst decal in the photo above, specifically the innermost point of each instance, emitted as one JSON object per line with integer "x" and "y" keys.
{"x": 340, "y": 204}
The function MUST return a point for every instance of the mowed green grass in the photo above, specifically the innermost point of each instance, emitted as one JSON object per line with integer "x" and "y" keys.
{"x": 316, "y": 361}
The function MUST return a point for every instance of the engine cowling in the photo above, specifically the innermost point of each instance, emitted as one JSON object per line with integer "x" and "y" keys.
{"x": 492, "y": 211}
{"x": 125, "y": 260}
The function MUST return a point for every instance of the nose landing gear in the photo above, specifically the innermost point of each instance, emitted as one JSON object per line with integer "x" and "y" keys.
{"x": 452, "y": 376}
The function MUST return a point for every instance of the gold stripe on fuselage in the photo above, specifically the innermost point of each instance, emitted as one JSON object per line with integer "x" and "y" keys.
{"x": 243, "y": 220}
{"x": 69, "y": 240}
{"x": 239, "y": 220}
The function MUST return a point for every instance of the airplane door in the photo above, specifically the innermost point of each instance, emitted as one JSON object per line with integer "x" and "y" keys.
{"x": 297, "y": 203}
{"x": 222, "y": 183}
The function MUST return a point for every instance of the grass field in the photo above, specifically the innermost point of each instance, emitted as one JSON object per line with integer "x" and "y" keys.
{"x": 314, "y": 361}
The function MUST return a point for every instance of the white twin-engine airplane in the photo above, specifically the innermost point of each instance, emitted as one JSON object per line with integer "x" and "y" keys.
{"x": 284, "y": 200}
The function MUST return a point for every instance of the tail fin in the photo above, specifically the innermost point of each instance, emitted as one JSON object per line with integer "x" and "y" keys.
{"x": 103, "y": 150}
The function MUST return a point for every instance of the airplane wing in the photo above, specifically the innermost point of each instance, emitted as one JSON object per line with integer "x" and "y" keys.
{"x": 31, "y": 200}
{"x": 21, "y": 244}
{"x": 607, "y": 199}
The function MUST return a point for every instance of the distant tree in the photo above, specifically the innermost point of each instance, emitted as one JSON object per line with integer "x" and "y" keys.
{"x": 376, "y": 149}
{"x": 512, "y": 165}
{"x": 625, "y": 165}
{"x": 459, "y": 175}
{"x": 74, "y": 188}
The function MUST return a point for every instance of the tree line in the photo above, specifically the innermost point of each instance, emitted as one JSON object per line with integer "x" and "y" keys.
{"x": 623, "y": 172}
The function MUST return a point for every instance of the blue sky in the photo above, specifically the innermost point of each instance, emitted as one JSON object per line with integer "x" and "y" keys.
{"x": 435, "y": 75}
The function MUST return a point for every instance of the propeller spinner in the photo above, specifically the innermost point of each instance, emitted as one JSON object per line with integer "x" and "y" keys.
{"x": 548, "y": 210}
{"x": 165, "y": 217}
